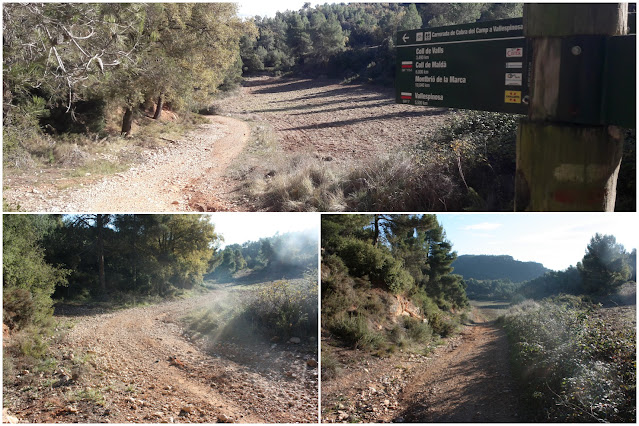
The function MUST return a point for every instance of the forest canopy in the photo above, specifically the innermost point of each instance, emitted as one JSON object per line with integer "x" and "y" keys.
{"x": 65, "y": 64}
{"x": 353, "y": 41}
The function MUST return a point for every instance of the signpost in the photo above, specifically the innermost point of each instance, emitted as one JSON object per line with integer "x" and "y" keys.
{"x": 580, "y": 80}
{"x": 482, "y": 66}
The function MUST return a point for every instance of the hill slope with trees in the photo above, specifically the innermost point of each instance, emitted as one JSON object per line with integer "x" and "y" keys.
{"x": 289, "y": 255}
{"x": 351, "y": 41}
{"x": 490, "y": 267}
{"x": 387, "y": 281}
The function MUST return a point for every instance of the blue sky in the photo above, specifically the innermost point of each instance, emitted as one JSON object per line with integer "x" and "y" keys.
{"x": 557, "y": 240}
{"x": 237, "y": 228}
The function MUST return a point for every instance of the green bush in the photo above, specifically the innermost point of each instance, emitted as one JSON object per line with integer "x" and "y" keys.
{"x": 440, "y": 324}
{"x": 477, "y": 149}
{"x": 284, "y": 309}
{"x": 330, "y": 366}
{"x": 574, "y": 366}
{"x": 417, "y": 330}
{"x": 21, "y": 133}
{"x": 28, "y": 280}
{"x": 18, "y": 307}
{"x": 363, "y": 259}
{"x": 353, "y": 331}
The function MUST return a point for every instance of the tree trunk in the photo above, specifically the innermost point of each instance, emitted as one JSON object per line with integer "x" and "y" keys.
{"x": 158, "y": 108}
{"x": 127, "y": 121}
{"x": 99, "y": 223}
{"x": 376, "y": 236}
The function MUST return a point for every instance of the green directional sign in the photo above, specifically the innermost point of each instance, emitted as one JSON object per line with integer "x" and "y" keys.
{"x": 480, "y": 66}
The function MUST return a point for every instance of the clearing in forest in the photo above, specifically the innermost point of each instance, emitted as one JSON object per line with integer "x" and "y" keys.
{"x": 265, "y": 128}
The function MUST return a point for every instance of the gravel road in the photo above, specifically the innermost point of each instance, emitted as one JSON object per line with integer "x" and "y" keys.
{"x": 148, "y": 370}
{"x": 465, "y": 380}
{"x": 165, "y": 181}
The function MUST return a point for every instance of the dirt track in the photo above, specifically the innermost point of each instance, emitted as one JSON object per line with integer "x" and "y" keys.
{"x": 130, "y": 354}
{"x": 466, "y": 380}
{"x": 321, "y": 119}
{"x": 331, "y": 120}
{"x": 169, "y": 180}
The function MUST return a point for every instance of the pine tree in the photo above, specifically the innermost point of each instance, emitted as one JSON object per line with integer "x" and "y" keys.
{"x": 411, "y": 19}
{"x": 604, "y": 267}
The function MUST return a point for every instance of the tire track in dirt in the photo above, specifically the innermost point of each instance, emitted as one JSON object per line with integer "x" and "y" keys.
{"x": 184, "y": 176}
{"x": 150, "y": 372}
{"x": 189, "y": 182}
{"x": 465, "y": 380}
{"x": 469, "y": 383}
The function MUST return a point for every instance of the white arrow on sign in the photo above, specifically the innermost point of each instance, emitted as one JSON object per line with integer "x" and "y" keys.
{"x": 405, "y": 37}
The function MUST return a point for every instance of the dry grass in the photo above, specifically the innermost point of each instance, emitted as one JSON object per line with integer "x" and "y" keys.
{"x": 278, "y": 181}
{"x": 75, "y": 156}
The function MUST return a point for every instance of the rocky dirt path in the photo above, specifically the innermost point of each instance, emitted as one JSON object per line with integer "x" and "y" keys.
{"x": 333, "y": 121}
{"x": 322, "y": 120}
{"x": 466, "y": 380}
{"x": 169, "y": 180}
{"x": 139, "y": 366}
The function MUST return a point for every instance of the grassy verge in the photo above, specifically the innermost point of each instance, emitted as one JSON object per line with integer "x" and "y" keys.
{"x": 69, "y": 159}
{"x": 468, "y": 164}
{"x": 576, "y": 362}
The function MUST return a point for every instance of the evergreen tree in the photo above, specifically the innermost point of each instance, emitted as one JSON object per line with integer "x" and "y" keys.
{"x": 329, "y": 39}
{"x": 604, "y": 267}
{"x": 28, "y": 280}
{"x": 299, "y": 37}
{"x": 411, "y": 19}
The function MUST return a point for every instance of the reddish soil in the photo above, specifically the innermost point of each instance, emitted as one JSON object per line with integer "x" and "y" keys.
{"x": 321, "y": 119}
{"x": 465, "y": 380}
{"x": 139, "y": 366}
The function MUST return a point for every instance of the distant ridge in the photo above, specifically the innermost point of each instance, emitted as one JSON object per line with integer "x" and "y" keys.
{"x": 491, "y": 267}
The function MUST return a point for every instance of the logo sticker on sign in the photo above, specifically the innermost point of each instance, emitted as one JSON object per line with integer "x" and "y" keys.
{"x": 514, "y": 52}
{"x": 513, "y": 78}
{"x": 512, "y": 97}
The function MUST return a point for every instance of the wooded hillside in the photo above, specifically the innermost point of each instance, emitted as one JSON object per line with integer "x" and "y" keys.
{"x": 489, "y": 267}
{"x": 351, "y": 41}
{"x": 393, "y": 271}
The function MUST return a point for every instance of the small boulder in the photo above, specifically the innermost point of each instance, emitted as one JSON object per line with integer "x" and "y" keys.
{"x": 295, "y": 340}
{"x": 6, "y": 418}
{"x": 223, "y": 418}
{"x": 311, "y": 363}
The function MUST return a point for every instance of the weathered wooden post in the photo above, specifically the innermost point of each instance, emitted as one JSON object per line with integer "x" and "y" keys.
{"x": 561, "y": 165}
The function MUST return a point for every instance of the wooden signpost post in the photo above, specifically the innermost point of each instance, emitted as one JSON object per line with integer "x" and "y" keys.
{"x": 568, "y": 67}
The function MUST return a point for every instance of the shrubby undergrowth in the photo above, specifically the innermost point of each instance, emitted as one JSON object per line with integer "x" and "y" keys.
{"x": 284, "y": 309}
{"x": 387, "y": 283}
{"x": 469, "y": 164}
{"x": 573, "y": 363}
